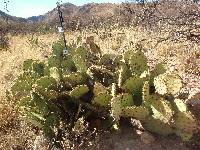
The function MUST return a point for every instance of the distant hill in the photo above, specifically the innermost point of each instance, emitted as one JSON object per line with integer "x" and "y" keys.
{"x": 4, "y": 17}
{"x": 95, "y": 15}
{"x": 70, "y": 12}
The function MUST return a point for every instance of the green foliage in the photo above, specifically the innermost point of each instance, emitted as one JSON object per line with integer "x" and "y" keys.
{"x": 68, "y": 87}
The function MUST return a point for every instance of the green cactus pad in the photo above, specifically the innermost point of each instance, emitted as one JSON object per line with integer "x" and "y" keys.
{"x": 168, "y": 84}
{"x": 27, "y": 65}
{"x": 126, "y": 100}
{"x": 106, "y": 59}
{"x": 180, "y": 105}
{"x": 46, "y": 83}
{"x": 57, "y": 49}
{"x": 53, "y": 61}
{"x": 99, "y": 88}
{"x": 47, "y": 95}
{"x": 79, "y": 91}
{"x": 138, "y": 63}
{"x": 140, "y": 113}
{"x": 38, "y": 68}
{"x": 40, "y": 104}
{"x": 80, "y": 56}
{"x": 55, "y": 73}
{"x": 102, "y": 99}
{"x": 22, "y": 87}
{"x": 157, "y": 126}
{"x": 145, "y": 93}
{"x": 68, "y": 64}
{"x": 123, "y": 74}
{"x": 34, "y": 108}
{"x": 185, "y": 122}
{"x": 134, "y": 86}
{"x": 24, "y": 102}
{"x": 50, "y": 122}
{"x": 75, "y": 79}
{"x": 117, "y": 60}
{"x": 81, "y": 63}
{"x": 127, "y": 55}
{"x": 115, "y": 104}
{"x": 162, "y": 110}
{"x": 159, "y": 69}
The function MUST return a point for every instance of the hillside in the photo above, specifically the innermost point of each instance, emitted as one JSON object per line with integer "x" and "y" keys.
{"x": 5, "y": 17}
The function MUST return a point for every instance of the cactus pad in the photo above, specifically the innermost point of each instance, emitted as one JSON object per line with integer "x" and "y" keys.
{"x": 126, "y": 100}
{"x": 134, "y": 86}
{"x": 185, "y": 122}
{"x": 27, "y": 65}
{"x": 181, "y": 106}
{"x": 74, "y": 79}
{"x": 22, "y": 87}
{"x": 140, "y": 113}
{"x": 58, "y": 48}
{"x": 46, "y": 83}
{"x": 79, "y": 91}
{"x": 123, "y": 74}
{"x": 68, "y": 64}
{"x": 138, "y": 63}
{"x": 162, "y": 110}
{"x": 159, "y": 69}
{"x": 157, "y": 126}
{"x": 99, "y": 88}
{"x": 54, "y": 73}
{"x": 168, "y": 84}
{"x": 102, "y": 99}
{"x": 145, "y": 93}
{"x": 116, "y": 108}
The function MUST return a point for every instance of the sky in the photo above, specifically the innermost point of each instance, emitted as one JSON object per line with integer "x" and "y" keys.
{"x": 28, "y": 8}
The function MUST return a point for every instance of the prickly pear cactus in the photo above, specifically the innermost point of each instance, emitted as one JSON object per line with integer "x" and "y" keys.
{"x": 140, "y": 113}
{"x": 134, "y": 86}
{"x": 159, "y": 69}
{"x": 126, "y": 100}
{"x": 101, "y": 95}
{"x": 168, "y": 84}
{"x": 79, "y": 91}
{"x": 145, "y": 94}
{"x": 74, "y": 79}
{"x": 68, "y": 87}
{"x": 116, "y": 108}
{"x": 102, "y": 99}
{"x": 162, "y": 110}
{"x": 185, "y": 125}
{"x": 137, "y": 61}
{"x": 157, "y": 126}
{"x": 123, "y": 73}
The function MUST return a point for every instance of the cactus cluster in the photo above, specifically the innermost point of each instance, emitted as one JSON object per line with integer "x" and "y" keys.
{"x": 72, "y": 86}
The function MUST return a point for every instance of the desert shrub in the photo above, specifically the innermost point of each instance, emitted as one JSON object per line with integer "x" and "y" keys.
{"x": 57, "y": 93}
{"x": 4, "y": 42}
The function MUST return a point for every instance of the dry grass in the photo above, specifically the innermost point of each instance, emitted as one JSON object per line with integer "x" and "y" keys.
{"x": 179, "y": 56}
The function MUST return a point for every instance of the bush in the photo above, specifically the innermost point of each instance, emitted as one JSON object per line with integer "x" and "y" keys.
{"x": 4, "y": 42}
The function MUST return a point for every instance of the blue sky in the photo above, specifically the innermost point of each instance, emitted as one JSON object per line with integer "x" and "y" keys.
{"x": 27, "y": 8}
